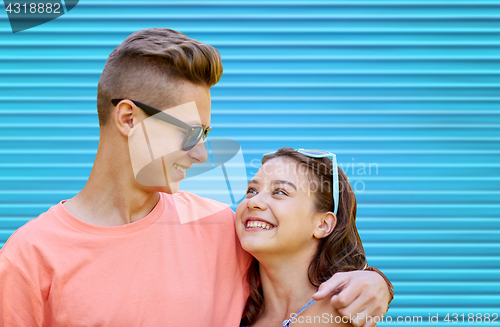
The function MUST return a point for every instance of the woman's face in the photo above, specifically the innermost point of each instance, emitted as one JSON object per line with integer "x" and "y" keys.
{"x": 277, "y": 214}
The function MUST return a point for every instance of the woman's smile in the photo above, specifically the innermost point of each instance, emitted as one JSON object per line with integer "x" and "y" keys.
{"x": 257, "y": 224}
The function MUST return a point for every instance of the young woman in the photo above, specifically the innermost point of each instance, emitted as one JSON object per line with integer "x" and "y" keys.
{"x": 298, "y": 221}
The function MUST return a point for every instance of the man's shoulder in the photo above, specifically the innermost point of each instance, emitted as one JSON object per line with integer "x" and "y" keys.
{"x": 27, "y": 237}
{"x": 191, "y": 197}
{"x": 191, "y": 207}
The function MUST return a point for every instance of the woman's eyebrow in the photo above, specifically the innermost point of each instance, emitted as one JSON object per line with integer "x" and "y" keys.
{"x": 278, "y": 181}
{"x": 284, "y": 182}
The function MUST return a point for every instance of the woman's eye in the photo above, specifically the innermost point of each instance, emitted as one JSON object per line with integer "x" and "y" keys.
{"x": 280, "y": 191}
{"x": 251, "y": 191}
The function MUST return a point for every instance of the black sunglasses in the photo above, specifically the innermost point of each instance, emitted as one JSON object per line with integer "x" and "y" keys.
{"x": 195, "y": 134}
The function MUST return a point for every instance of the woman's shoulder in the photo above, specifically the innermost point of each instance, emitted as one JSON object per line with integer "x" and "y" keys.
{"x": 318, "y": 314}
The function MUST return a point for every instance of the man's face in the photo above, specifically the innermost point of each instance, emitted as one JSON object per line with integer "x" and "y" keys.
{"x": 153, "y": 138}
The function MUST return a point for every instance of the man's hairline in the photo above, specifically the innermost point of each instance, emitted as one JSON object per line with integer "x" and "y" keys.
{"x": 178, "y": 81}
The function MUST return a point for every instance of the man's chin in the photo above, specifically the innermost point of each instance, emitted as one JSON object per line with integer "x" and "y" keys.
{"x": 154, "y": 178}
{"x": 171, "y": 188}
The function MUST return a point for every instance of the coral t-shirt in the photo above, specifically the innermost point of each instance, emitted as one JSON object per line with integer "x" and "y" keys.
{"x": 60, "y": 271}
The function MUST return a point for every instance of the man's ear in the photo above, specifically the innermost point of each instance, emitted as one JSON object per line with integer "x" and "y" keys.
{"x": 124, "y": 116}
{"x": 325, "y": 224}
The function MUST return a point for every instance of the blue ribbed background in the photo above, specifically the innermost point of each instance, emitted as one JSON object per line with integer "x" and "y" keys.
{"x": 410, "y": 87}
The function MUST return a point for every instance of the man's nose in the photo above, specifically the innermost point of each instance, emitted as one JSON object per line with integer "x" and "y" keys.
{"x": 199, "y": 153}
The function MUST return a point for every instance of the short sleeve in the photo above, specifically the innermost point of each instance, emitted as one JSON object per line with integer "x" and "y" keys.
{"x": 19, "y": 303}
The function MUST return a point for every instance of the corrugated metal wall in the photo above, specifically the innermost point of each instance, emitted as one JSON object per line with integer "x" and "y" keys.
{"x": 409, "y": 89}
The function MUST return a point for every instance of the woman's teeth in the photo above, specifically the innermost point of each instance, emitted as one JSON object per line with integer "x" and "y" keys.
{"x": 258, "y": 224}
{"x": 180, "y": 168}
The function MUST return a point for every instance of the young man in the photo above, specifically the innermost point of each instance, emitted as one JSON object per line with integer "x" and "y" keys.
{"x": 120, "y": 253}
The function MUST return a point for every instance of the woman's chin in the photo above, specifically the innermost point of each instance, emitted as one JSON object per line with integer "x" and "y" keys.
{"x": 254, "y": 244}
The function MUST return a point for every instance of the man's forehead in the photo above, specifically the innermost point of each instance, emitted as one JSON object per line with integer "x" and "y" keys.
{"x": 190, "y": 113}
{"x": 188, "y": 92}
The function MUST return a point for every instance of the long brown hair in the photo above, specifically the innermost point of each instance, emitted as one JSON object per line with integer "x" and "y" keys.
{"x": 340, "y": 251}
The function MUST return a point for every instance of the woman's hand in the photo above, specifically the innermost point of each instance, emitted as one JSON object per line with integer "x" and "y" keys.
{"x": 364, "y": 296}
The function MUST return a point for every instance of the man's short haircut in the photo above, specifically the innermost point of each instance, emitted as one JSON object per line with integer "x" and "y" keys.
{"x": 148, "y": 66}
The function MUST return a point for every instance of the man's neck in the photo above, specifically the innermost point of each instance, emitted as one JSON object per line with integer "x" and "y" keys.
{"x": 111, "y": 196}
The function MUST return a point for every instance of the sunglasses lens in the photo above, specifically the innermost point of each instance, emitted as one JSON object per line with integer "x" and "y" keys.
{"x": 193, "y": 138}
{"x": 314, "y": 152}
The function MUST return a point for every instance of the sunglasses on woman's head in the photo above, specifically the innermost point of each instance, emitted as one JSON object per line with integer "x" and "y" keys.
{"x": 194, "y": 135}
{"x": 335, "y": 173}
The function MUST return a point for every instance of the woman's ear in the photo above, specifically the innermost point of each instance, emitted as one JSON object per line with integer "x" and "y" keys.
{"x": 326, "y": 223}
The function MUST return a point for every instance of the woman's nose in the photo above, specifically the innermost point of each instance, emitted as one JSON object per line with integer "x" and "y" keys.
{"x": 257, "y": 202}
